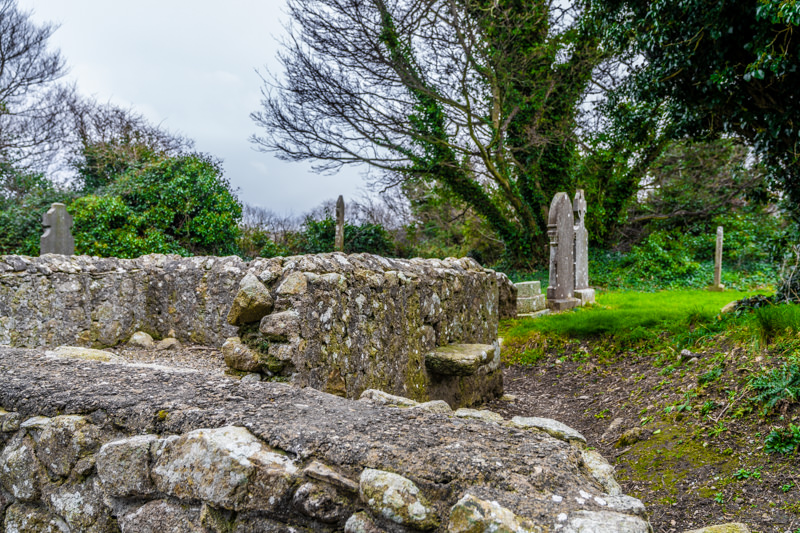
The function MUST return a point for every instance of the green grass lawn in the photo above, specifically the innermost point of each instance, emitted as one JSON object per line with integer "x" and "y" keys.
{"x": 621, "y": 320}
{"x": 619, "y": 313}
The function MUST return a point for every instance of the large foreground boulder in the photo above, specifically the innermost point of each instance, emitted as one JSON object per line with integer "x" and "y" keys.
{"x": 97, "y": 446}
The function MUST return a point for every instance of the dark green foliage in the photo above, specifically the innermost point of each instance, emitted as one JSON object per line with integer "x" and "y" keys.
{"x": 318, "y": 237}
{"x": 782, "y": 385}
{"x": 172, "y": 205}
{"x": 717, "y": 67}
{"x": 783, "y": 440}
{"x": 24, "y": 198}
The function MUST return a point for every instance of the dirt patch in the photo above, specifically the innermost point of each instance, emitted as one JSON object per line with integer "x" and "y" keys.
{"x": 693, "y": 465}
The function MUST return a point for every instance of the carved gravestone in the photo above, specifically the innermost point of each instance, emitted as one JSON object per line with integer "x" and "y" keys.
{"x": 718, "y": 286}
{"x": 338, "y": 244}
{"x": 57, "y": 238}
{"x": 560, "y": 229}
{"x": 582, "y": 291}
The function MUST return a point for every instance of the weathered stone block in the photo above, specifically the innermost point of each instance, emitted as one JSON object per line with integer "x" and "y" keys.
{"x": 281, "y": 326}
{"x": 528, "y": 289}
{"x": 227, "y": 467}
{"x": 460, "y": 359}
{"x": 63, "y": 441}
{"x": 123, "y": 467}
{"x": 21, "y": 518}
{"x": 584, "y": 296}
{"x": 562, "y": 304}
{"x": 396, "y": 498}
{"x": 159, "y": 516}
{"x": 549, "y": 426}
{"x": 526, "y": 306}
{"x": 251, "y": 303}
{"x": 20, "y": 470}
{"x": 471, "y": 514}
{"x": 239, "y": 357}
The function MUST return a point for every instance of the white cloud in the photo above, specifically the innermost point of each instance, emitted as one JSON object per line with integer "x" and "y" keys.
{"x": 189, "y": 65}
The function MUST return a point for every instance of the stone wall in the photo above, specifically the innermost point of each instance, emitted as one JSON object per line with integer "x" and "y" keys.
{"x": 54, "y": 299}
{"x": 338, "y": 323}
{"x": 99, "y": 447}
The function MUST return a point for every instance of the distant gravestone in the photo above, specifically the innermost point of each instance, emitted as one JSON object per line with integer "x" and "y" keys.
{"x": 582, "y": 291}
{"x": 57, "y": 238}
{"x": 560, "y": 229}
{"x": 338, "y": 243}
{"x": 718, "y": 286}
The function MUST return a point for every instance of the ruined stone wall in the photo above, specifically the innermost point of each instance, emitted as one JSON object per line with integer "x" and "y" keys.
{"x": 54, "y": 299}
{"x": 334, "y": 322}
{"x": 104, "y": 447}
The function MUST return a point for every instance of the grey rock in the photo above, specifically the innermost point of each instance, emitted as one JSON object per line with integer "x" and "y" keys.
{"x": 507, "y": 297}
{"x": 240, "y": 357}
{"x": 321, "y": 502}
{"x": 280, "y": 326}
{"x": 87, "y": 354}
{"x": 522, "y": 471}
{"x": 631, "y": 436}
{"x": 320, "y": 472}
{"x": 435, "y": 406}
{"x": 479, "y": 414}
{"x": 384, "y": 398}
{"x": 227, "y": 467}
{"x": 159, "y": 516}
{"x": 361, "y": 522}
{"x": 253, "y": 377}
{"x": 63, "y": 441}
{"x": 21, "y": 518}
{"x": 294, "y": 284}
{"x": 20, "y": 470}
{"x": 396, "y": 498}
{"x": 168, "y": 344}
{"x": 471, "y": 514}
{"x": 459, "y": 359}
{"x": 604, "y": 522}
{"x": 141, "y": 339}
{"x": 251, "y": 303}
{"x": 123, "y": 467}
{"x": 549, "y": 426}
{"x": 602, "y": 471}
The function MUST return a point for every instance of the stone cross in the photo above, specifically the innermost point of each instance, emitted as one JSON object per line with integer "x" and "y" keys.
{"x": 57, "y": 238}
{"x": 582, "y": 290}
{"x": 338, "y": 243}
{"x": 718, "y": 286}
{"x": 561, "y": 231}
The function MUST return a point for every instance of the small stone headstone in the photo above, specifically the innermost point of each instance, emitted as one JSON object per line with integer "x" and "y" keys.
{"x": 718, "y": 286}
{"x": 560, "y": 229}
{"x": 339, "y": 241}
{"x": 582, "y": 291}
{"x": 57, "y": 238}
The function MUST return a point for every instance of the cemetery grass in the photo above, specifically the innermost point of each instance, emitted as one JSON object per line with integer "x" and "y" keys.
{"x": 711, "y": 436}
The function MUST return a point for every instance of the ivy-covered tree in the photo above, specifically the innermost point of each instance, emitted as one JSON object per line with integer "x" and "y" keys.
{"x": 479, "y": 96}
{"x": 722, "y": 67}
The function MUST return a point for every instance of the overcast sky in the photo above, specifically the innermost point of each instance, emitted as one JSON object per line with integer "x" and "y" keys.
{"x": 189, "y": 65}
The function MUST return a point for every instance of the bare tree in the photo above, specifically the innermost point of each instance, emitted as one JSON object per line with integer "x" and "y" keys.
{"x": 104, "y": 140}
{"x": 479, "y": 95}
{"x": 32, "y": 110}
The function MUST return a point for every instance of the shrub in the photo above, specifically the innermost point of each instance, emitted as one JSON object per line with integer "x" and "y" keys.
{"x": 172, "y": 205}
{"x": 783, "y": 441}
{"x": 782, "y": 385}
{"x": 318, "y": 237}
